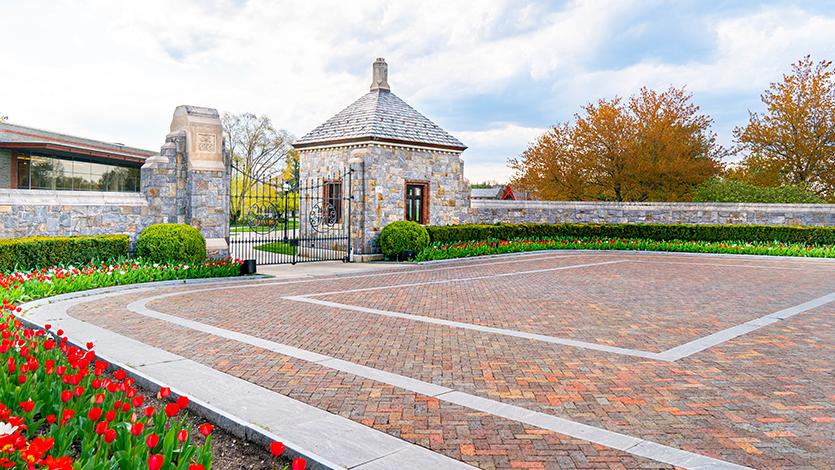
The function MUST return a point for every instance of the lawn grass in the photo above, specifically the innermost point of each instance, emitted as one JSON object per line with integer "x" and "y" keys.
{"x": 279, "y": 247}
{"x": 291, "y": 225}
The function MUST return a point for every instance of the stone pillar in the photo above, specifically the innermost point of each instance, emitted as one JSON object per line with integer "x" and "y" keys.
{"x": 189, "y": 181}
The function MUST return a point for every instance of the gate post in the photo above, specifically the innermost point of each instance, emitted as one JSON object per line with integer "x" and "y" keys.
{"x": 205, "y": 176}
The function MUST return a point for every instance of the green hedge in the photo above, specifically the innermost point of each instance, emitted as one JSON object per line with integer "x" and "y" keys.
{"x": 711, "y": 233}
{"x": 43, "y": 252}
{"x": 398, "y": 237}
{"x": 171, "y": 243}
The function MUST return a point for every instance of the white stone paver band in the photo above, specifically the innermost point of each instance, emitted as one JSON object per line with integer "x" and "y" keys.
{"x": 597, "y": 435}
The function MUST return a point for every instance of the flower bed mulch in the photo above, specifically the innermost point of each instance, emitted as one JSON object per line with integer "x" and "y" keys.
{"x": 491, "y": 247}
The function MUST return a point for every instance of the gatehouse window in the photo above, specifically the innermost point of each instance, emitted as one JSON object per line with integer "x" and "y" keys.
{"x": 333, "y": 201}
{"x": 417, "y": 202}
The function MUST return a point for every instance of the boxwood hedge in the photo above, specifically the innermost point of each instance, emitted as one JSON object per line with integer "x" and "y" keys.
{"x": 712, "y": 233}
{"x": 171, "y": 243}
{"x": 43, "y": 252}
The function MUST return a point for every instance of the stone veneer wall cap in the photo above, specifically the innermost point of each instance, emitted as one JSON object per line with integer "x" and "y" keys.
{"x": 38, "y": 197}
{"x": 531, "y": 204}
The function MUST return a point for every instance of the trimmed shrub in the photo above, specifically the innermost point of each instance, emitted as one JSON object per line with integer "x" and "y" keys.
{"x": 398, "y": 237}
{"x": 171, "y": 243}
{"x": 709, "y": 233}
{"x": 724, "y": 190}
{"x": 44, "y": 252}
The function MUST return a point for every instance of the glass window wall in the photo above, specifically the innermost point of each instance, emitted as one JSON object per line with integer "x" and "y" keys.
{"x": 36, "y": 171}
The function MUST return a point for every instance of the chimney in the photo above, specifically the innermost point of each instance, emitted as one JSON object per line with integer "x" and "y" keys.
{"x": 380, "y": 76}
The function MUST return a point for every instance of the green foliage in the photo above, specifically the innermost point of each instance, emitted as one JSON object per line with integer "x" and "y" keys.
{"x": 398, "y": 237}
{"x": 709, "y": 233}
{"x": 171, "y": 242}
{"x": 726, "y": 190}
{"x": 23, "y": 286}
{"x": 42, "y": 252}
{"x": 491, "y": 247}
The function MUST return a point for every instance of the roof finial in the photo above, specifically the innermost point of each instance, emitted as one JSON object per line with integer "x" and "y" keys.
{"x": 380, "y": 76}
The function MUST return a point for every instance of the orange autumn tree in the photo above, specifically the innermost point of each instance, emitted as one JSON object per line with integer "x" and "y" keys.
{"x": 793, "y": 141}
{"x": 654, "y": 147}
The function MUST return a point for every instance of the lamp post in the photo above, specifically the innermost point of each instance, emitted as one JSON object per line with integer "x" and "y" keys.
{"x": 285, "y": 186}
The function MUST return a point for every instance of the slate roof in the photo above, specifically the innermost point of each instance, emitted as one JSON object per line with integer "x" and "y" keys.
{"x": 487, "y": 193}
{"x": 380, "y": 116}
{"x": 17, "y": 136}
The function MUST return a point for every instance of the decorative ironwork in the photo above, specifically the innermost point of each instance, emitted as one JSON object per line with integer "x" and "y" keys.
{"x": 277, "y": 221}
{"x": 322, "y": 218}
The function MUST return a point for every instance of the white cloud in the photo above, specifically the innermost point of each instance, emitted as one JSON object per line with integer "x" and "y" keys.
{"x": 488, "y": 150}
{"x": 115, "y": 70}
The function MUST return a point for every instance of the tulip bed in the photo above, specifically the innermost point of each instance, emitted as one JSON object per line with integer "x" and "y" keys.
{"x": 23, "y": 286}
{"x": 60, "y": 409}
{"x": 438, "y": 251}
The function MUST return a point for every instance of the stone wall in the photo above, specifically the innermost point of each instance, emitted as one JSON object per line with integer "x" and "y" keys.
{"x": 379, "y": 183}
{"x": 26, "y": 213}
{"x": 490, "y": 212}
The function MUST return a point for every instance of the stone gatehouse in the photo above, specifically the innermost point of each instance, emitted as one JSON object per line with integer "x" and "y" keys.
{"x": 405, "y": 167}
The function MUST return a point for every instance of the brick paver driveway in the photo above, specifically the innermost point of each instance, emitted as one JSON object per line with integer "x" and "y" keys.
{"x": 726, "y": 357}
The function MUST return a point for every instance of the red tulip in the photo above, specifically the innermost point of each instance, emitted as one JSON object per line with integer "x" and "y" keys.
{"x": 120, "y": 375}
{"x": 205, "y": 429}
{"x": 94, "y": 414}
{"x": 164, "y": 392}
{"x": 182, "y": 402}
{"x": 51, "y": 419}
{"x": 298, "y": 464}
{"x": 137, "y": 428}
{"x": 27, "y": 405}
{"x": 171, "y": 409}
{"x": 21, "y": 379}
{"x": 66, "y": 415}
{"x": 110, "y": 415}
{"x": 78, "y": 391}
{"x": 89, "y": 345}
{"x": 101, "y": 427}
{"x": 60, "y": 332}
{"x": 109, "y": 436}
{"x": 196, "y": 466}
{"x": 151, "y": 441}
{"x": 182, "y": 435}
{"x": 276, "y": 448}
{"x": 155, "y": 462}
{"x": 138, "y": 401}
{"x": 149, "y": 411}
{"x": 47, "y": 326}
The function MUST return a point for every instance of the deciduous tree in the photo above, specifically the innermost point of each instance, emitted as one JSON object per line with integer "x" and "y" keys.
{"x": 656, "y": 146}
{"x": 793, "y": 140}
{"x": 259, "y": 152}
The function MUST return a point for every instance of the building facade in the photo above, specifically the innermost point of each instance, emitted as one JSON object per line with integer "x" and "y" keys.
{"x": 404, "y": 166}
{"x": 37, "y": 159}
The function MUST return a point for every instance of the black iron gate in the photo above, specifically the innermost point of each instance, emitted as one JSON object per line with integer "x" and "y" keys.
{"x": 274, "y": 220}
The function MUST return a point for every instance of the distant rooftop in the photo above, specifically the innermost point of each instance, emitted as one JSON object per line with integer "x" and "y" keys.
{"x": 14, "y": 136}
{"x": 380, "y": 116}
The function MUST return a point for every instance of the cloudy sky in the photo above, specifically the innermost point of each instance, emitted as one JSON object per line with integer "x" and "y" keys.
{"x": 494, "y": 73}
